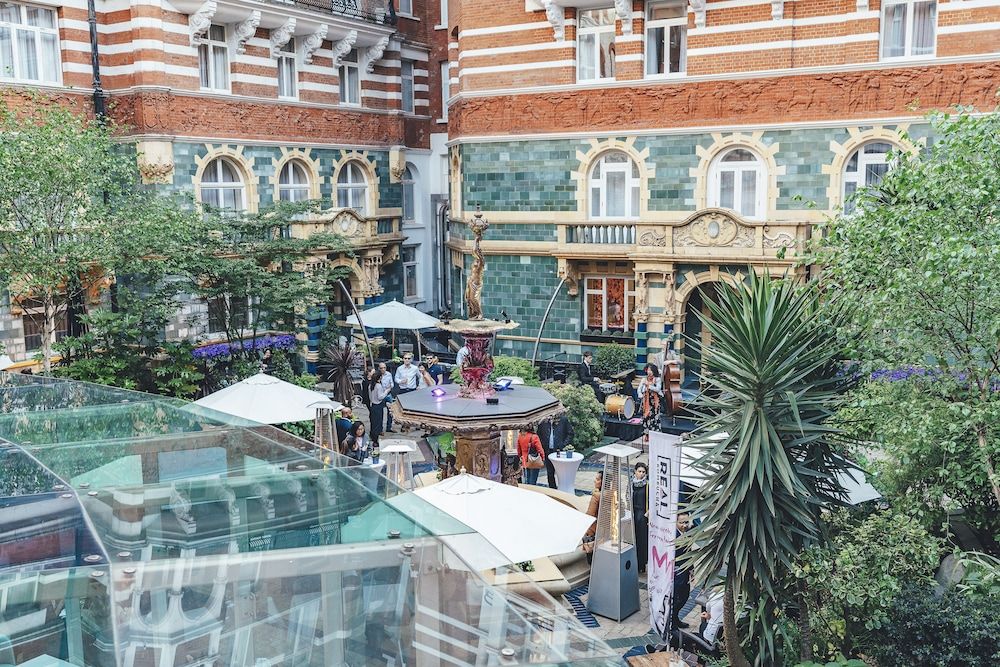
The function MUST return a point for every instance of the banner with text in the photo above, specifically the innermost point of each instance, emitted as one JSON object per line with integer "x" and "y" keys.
{"x": 664, "y": 473}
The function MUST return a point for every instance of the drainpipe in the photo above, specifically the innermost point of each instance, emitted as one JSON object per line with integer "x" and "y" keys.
{"x": 100, "y": 107}
{"x": 443, "y": 215}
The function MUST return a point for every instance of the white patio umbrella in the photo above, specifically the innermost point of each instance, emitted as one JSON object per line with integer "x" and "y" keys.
{"x": 394, "y": 315}
{"x": 267, "y": 400}
{"x": 520, "y": 524}
{"x": 5, "y": 362}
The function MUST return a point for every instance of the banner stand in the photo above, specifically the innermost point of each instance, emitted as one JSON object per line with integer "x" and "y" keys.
{"x": 664, "y": 474}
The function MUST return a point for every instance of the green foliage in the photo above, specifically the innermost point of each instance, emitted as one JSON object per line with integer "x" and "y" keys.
{"x": 950, "y": 630}
{"x": 774, "y": 381}
{"x": 855, "y": 577}
{"x": 504, "y": 366}
{"x": 175, "y": 371}
{"x": 583, "y": 412}
{"x": 918, "y": 258}
{"x": 841, "y": 661}
{"x": 340, "y": 361}
{"x": 982, "y": 575}
{"x": 613, "y": 359}
{"x": 927, "y": 455}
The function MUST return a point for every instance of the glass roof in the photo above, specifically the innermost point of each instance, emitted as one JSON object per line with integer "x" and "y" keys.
{"x": 137, "y": 530}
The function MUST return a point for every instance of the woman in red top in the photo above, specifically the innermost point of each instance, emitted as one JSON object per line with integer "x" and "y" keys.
{"x": 529, "y": 447}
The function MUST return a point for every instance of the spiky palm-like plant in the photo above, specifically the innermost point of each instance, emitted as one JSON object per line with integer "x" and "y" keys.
{"x": 342, "y": 359}
{"x": 774, "y": 378}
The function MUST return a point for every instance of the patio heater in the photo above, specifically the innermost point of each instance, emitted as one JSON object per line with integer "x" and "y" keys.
{"x": 614, "y": 573}
{"x": 398, "y": 466}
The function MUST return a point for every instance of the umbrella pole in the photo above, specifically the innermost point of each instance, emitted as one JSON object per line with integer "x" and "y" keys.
{"x": 420, "y": 350}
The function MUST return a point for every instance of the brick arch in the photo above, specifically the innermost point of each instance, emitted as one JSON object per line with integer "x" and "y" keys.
{"x": 842, "y": 153}
{"x": 588, "y": 159}
{"x": 242, "y": 164}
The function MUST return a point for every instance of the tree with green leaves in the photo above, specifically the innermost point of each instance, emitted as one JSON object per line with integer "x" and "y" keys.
{"x": 769, "y": 455}
{"x": 73, "y": 212}
{"x": 918, "y": 259}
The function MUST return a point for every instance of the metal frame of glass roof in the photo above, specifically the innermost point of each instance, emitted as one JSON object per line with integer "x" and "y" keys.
{"x": 142, "y": 531}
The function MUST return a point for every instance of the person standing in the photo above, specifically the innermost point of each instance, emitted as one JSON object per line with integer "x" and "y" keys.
{"x": 650, "y": 394}
{"x": 436, "y": 370}
{"x": 585, "y": 371}
{"x": 389, "y": 398}
{"x": 592, "y": 510}
{"x": 532, "y": 454}
{"x": 640, "y": 510}
{"x": 407, "y": 375}
{"x": 377, "y": 394}
{"x": 426, "y": 379}
{"x": 682, "y": 575}
{"x": 344, "y": 423}
{"x": 555, "y": 434}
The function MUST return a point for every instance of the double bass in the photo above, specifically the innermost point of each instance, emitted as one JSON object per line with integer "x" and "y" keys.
{"x": 672, "y": 386}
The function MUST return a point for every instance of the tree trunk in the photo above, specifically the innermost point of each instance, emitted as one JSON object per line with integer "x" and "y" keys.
{"x": 805, "y": 630}
{"x": 48, "y": 333}
{"x": 733, "y": 650}
{"x": 987, "y": 460}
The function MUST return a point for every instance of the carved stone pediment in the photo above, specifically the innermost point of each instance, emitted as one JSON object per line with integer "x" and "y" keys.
{"x": 345, "y": 222}
{"x": 715, "y": 228}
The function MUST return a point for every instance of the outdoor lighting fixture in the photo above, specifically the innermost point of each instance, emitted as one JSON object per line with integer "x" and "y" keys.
{"x": 438, "y": 392}
{"x": 614, "y": 575}
{"x": 398, "y": 467}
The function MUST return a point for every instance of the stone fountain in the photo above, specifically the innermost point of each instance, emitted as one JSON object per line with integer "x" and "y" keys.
{"x": 474, "y": 411}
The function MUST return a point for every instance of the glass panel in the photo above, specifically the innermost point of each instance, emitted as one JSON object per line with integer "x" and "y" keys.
{"x": 50, "y": 56}
{"x": 406, "y": 6}
{"x": 10, "y": 13}
{"x": 41, "y": 18}
{"x": 924, "y": 19}
{"x": 410, "y": 284}
{"x": 220, "y": 68}
{"x": 595, "y": 311}
{"x": 217, "y": 33}
{"x": 203, "y": 66}
{"x": 27, "y": 55}
{"x": 615, "y": 202}
{"x": 668, "y": 11}
{"x": 748, "y": 194}
{"x": 408, "y": 204}
{"x": 6, "y": 54}
{"x": 852, "y": 164}
{"x": 677, "y": 47}
{"x": 615, "y": 158}
{"x": 616, "y": 303}
{"x": 592, "y": 18}
{"x": 407, "y": 86}
{"x": 227, "y": 172}
{"x": 342, "y": 198}
{"x": 286, "y": 77}
{"x": 634, "y": 202}
{"x": 894, "y": 31}
{"x": 587, "y": 56}
{"x": 607, "y": 55}
{"x": 875, "y": 172}
{"x": 595, "y": 201}
{"x": 739, "y": 155}
{"x": 727, "y": 189}
{"x": 654, "y": 50}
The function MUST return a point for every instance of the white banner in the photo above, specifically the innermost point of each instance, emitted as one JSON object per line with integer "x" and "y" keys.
{"x": 664, "y": 476}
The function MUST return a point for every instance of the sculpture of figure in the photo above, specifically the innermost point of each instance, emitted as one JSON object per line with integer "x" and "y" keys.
{"x": 474, "y": 286}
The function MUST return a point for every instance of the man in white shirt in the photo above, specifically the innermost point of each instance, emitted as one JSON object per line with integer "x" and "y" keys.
{"x": 407, "y": 375}
{"x": 386, "y": 383}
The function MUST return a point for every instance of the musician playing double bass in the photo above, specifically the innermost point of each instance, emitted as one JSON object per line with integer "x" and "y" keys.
{"x": 650, "y": 397}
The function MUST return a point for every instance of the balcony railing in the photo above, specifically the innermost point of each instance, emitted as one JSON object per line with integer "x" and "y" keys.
{"x": 601, "y": 234}
{"x": 375, "y": 11}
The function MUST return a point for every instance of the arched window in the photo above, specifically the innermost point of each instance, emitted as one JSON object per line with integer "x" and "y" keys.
{"x": 865, "y": 168}
{"x": 293, "y": 182}
{"x": 409, "y": 195}
{"x": 739, "y": 183}
{"x": 222, "y": 186}
{"x": 614, "y": 187}
{"x": 352, "y": 188}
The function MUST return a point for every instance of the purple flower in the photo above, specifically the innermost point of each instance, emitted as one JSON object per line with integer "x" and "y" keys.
{"x": 220, "y": 350}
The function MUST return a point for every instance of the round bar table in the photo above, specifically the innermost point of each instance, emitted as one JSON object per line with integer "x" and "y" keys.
{"x": 566, "y": 467}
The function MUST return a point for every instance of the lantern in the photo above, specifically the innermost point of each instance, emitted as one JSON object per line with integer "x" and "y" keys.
{"x": 614, "y": 573}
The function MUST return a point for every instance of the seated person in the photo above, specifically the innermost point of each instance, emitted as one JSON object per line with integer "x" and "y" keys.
{"x": 343, "y": 423}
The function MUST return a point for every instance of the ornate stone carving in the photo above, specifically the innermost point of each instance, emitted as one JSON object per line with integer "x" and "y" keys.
{"x": 623, "y": 8}
{"x": 201, "y": 20}
{"x": 342, "y": 47}
{"x": 159, "y": 171}
{"x": 374, "y": 53}
{"x": 699, "y": 8}
{"x": 312, "y": 43}
{"x": 369, "y": 275}
{"x": 397, "y": 163}
{"x": 572, "y": 275}
{"x": 281, "y": 35}
{"x": 641, "y": 297}
{"x": 652, "y": 238}
{"x": 180, "y": 505}
{"x": 779, "y": 240}
{"x": 245, "y": 30}
{"x": 557, "y": 17}
{"x": 714, "y": 229}
{"x": 474, "y": 285}
{"x": 348, "y": 223}
{"x": 777, "y": 9}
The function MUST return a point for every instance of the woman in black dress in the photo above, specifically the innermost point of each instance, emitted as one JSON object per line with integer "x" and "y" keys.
{"x": 640, "y": 509}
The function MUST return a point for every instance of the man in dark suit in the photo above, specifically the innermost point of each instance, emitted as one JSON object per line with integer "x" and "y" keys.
{"x": 585, "y": 371}
{"x": 554, "y": 434}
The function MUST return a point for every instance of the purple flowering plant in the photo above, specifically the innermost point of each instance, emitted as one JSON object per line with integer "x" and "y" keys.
{"x": 221, "y": 350}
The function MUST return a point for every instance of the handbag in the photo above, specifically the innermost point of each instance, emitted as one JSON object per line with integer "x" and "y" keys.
{"x": 534, "y": 461}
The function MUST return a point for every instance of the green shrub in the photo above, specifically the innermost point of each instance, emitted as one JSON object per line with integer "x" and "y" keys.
{"x": 950, "y": 630}
{"x": 584, "y": 414}
{"x": 504, "y": 366}
{"x": 613, "y": 359}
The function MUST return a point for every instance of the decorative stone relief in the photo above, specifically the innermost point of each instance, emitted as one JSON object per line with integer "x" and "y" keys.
{"x": 281, "y": 35}
{"x": 714, "y": 229}
{"x": 375, "y": 52}
{"x": 623, "y": 8}
{"x": 699, "y": 7}
{"x": 777, "y": 9}
{"x": 348, "y": 223}
{"x": 652, "y": 238}
{"x": 343, "y": 47}
{"x": 557, "y": 17}
{"x": 244, "y": 31}
{"x": 201, "y": 20}
{"x": 641, "y": 298}
{"x": 779, "y": 240}
{"x": 312, "y": 43}
{"x": 155, "y": 160}
{"x": 571, "y": 273}
{"x": 369, "y": 275}
{"x": 397, "y": 163}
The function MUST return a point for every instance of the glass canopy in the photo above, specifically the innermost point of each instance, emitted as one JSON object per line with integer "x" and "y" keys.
{"x": 142, "y": 531}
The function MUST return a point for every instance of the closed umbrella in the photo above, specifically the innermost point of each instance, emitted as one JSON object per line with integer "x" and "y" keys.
{"x": 520, "y": 524}
{"x": 267, "y": 400}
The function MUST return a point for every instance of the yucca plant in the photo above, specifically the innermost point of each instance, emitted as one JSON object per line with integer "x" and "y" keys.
{"x": 774, "y": 377}
{"x": 342, "y": 359}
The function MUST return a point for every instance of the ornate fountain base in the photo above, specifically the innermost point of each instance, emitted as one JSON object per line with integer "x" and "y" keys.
{"x": 480, "y": 453}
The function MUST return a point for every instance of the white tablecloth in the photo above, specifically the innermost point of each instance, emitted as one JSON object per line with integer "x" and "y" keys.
{"x": 566, "y": 468}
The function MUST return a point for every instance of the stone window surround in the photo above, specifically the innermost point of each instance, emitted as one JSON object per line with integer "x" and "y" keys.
{"x": 842, "y": 153}
{"x": 251, "y": 197}
{"x": 361, "y": 159}
{"x": 304, "y": 160}
{"x": 753, "y": 142}
{"x": 718, "y": 166}
{"x": 588, "y": 160}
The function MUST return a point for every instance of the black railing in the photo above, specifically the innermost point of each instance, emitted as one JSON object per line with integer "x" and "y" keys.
{"x": 375, "y": 11}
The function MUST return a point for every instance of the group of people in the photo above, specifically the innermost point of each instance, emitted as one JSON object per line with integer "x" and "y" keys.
{"x": 381, "y": 387}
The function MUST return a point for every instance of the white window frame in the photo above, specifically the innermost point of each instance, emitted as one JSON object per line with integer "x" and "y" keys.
{"x": 598, "y": 179}
{"x": 37, "y": 33}
{"x": 350, "y": 189}
{"x": 410, "y": 265}
{"x": 409, "y": 184}
{"x": 908, "y": 30}
{"x": 667, "y": 25}
{"x": 240, "y": 186}
{"x": 596, "y": 31}
{"x": 294, "y": 191}
{"x": 756, "y": 166}
{"x": 444, "y": 14}
{"x": 407, "y": 96}
{"x": 206, "y": 49}
{"x": 859, "y": 177}
{"x": 350, "y": 87}
{"x": 445, "y": 88}
{"x": 287, "y": 65}
{"x": 628, "y": 324}
{"x": 405, "y": 8}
